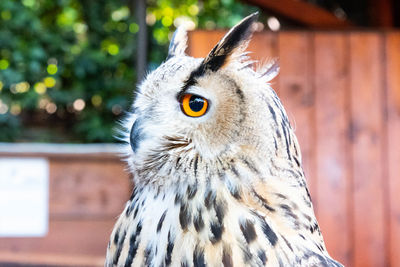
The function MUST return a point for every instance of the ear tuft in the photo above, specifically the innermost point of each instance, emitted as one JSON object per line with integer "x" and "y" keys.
{"x": 178, "y": 43}
{"x": 234, "y": 42}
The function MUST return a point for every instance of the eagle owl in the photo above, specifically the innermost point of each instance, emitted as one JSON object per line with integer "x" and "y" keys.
{"x": 217, "y": 167}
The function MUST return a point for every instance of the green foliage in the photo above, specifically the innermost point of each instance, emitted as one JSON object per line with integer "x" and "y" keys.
{"x": 67, "y": 66}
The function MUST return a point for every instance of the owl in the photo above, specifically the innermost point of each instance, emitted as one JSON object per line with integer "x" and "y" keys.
{"x": 217, "y": 167}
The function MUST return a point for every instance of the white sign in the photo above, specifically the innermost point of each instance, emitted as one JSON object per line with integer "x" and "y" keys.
{"x": 24, "y": 194}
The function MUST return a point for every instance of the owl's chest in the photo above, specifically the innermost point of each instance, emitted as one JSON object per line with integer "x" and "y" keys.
{"x": 195, "y": 228}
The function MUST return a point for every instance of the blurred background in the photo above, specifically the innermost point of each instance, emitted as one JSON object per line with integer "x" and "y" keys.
{"x": 68, "y": 73}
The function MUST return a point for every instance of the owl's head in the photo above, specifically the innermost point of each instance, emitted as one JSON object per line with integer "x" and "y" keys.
{"x": 192, "y": 110}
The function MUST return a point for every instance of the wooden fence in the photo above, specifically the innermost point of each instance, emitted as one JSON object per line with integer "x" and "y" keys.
{"x": 88, "y": 190}
{"x": 342, "y": 93}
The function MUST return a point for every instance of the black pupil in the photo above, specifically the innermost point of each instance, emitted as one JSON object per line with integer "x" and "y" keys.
{"x": 196, "y": 103}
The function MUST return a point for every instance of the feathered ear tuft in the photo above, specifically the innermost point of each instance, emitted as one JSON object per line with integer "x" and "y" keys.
{"x": 234, "y": 42}
{"x": 269, "y": 70}
{"x": 178, "y": 43}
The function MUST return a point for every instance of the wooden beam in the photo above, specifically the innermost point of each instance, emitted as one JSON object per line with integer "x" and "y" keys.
{"x": 303, "y": 12}
{"x": 381, "y": 13}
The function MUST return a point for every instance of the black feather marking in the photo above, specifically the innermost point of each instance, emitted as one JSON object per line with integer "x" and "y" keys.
{"x": 184, "y": 216}
{"x": 135, "y": 211}
{"x": 268, "y": 232}
{"x": 220, "y": 210}
{"x": 196, "y": 161}
{"x": 235, "y": 192}
{"x": 261, "y": 255}
{"x": 286, "y": 141}
{"x": 148, "y": 255}
{"x": 248, "y": 230}
{"x": 318, "y": 260}
{"x": 288, "y": 211}
{"x": 296, "y": 160}
{"x": 177, "y": 162}
{"x": 198, "y": 222}
{"x": 178, "y": 198}
{"x": 198, "y": 257}
{"x": 119, "y": 247}
{"x": 287, "y": 243}
{"x": 250, "y": 165}
{"x": 116, "y": 235}
{"x": 184, "y": 263}
{"x": 234, "y": 170}
{"x": 130, "y": 208}
{"x": 278, "y": 133}
{"x": 209, "y": 199}
{"x": 238, "y": 91}
{"x": 160, "y": 222}
{"x": 216, "y": 230}
{"x": 133, "y": 245}
{"x": 227, "y": 257}
{"x": 273, "y": 113}
{"x": 247, "y": 256}
{"x": 170, "y": 247}
{"x": 276, "y": 144}
{"x": 191, "y": 191}
{"x": 264, "y": 202}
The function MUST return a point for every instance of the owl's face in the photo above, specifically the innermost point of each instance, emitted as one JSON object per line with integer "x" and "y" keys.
{"x": 210, "y": 108}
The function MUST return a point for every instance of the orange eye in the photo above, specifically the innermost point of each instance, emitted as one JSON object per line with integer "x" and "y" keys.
{"x": 194, "y": 105}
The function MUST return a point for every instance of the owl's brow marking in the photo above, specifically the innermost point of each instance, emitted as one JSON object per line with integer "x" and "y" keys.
{"x": 192, "y": 80}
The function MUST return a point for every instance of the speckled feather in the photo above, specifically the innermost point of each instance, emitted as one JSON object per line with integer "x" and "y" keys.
{"x": 223, "y": 189}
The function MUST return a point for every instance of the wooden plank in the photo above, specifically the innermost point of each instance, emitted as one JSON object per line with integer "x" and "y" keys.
{"x": 63, "y": 151}
{"x": 297, "y": 95}
{"x": 45, "y": 259}
{"x": 264, "y": 48}
{"x": 201, "y": 42}
{"x": 332, "y": 150}
{"x": 87, "y": 188}
{"x": 67, "y": 237}
{"x": 303, "y": 12}
{"x": 366, "y": 137}
{"x": 393, "y": 143}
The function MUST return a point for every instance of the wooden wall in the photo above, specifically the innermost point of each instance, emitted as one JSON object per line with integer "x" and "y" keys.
{"x": 342, "y": 93}
{"x": 88, "y": 191}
